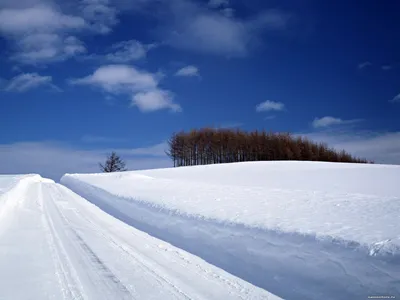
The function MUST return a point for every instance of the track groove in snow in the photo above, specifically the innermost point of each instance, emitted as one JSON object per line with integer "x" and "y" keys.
{"x": 68, "y": 279}
{"x": 125, "y": 251}
{"x": 106, "y": 283}
{"x": 59, "y": 246}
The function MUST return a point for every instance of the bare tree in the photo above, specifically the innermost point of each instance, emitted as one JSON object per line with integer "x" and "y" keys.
{"x": 113, "y": 164}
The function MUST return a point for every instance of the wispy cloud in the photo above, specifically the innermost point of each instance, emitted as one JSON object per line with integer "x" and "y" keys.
{"x": 95, "y": 139}
{"x": 27, "y": 81}
{"x": 153, "y": 150}
{"x": 381, "y": 147}
{"x": 218, "y": 3}
{"x": 142, "y": 86}
{"x": 3, "y": 83}
{"x": 270, "y": 106}
{"x": 364, "y": 65}
{"x": 52, "y": 159}
{"x": 198, "y": 28}
{"x": 127, "y": 51}
{"x": 188, "y": 71}
{"x": 230, "y": 125}
{"x": 40, "y": 32}
{"x": 387, "y": 67}
{"x": 100, "y": 15}
{"x": 331, "y": 121}
{"x": 395, "y": 99}
{"x": 42, "y": 48}
{"x": 39, "y": 18}
{"x": 123, "y": 52}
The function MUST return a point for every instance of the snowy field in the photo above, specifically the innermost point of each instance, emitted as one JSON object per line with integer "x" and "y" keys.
{"x": 54, "y": 244}
{"x": 301, "y": 230}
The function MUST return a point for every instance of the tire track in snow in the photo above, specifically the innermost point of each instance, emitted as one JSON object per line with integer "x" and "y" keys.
{"x": 108, "y": 286}
{"x": 129, "y": 251}
{"x": 148, "y": 269}
{"x": 102, "y": 268}
{"x": 67, "y": 276}
{"x": 76, "y": 251}
{"x": 133, "y": 254}
{"x": 130, "y": 255}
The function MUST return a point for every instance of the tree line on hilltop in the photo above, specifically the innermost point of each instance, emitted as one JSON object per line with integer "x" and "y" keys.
{"x": 215, "y": 146}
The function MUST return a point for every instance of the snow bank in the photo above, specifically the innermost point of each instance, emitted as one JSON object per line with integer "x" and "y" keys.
{"x": 8, "y": 181}
{"x": 297, "y": 229}
{"x": 12, "y": 184}
{"x": 12, "y": 191}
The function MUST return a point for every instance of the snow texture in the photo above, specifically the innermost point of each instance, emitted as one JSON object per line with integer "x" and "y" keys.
{"x": 301, "y": 230}
{"x": 56, "y": 245}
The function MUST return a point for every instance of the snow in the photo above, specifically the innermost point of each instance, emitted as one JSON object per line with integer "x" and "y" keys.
{"x": 55, "y": 244}
{"x": 297, "y": 229}
{"x": 7, "y": 182}
{"x": 12, "y": 188}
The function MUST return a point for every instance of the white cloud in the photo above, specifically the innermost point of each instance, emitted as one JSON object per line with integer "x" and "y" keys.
{"x": 395, "y": 99}
{"x": 269, "y": 106}
{"x": 364, "y": 65}
{"x": 52, "y": 160}
{"x": 142, "y": 86}
{"x": 40, "y": 32}
{"x": 200, "y": 29}
{"x": 331, "y": 121}
{"x": 155, "y": 100}
{"x": 40, "y": 18}
{"x": 47, "y": 47}
{"x": 188, "y": 71}
{"x": 119, "y": 78}
{"x": 73, "y": 46}
{"x": 100, "y": 15}
{"x": 27, "y": 81}
{"x": 377, "y": 146}
{"x": 127, "y": 51}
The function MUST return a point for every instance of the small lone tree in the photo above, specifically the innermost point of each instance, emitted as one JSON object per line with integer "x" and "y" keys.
{"x": 113, "y": 164}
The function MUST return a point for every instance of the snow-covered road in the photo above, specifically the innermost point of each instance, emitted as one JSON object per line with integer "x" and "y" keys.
{"x": 56, "y": 245}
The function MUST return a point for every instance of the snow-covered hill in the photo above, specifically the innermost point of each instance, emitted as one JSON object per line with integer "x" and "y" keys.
{"x": 301, "y": 230}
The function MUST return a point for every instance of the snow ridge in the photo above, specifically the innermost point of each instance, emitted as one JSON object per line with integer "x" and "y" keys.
{"x": 12, "y": 194}
{"x": 293, "y": 264}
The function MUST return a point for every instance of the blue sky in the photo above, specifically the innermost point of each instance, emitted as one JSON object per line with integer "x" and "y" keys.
{"x": 81, "y": 78}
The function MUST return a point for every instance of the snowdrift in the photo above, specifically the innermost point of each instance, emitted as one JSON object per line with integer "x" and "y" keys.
{"x": 298, "y": 229}
{"x": 12, "y": 188}
{"x": 12, "y": 191}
